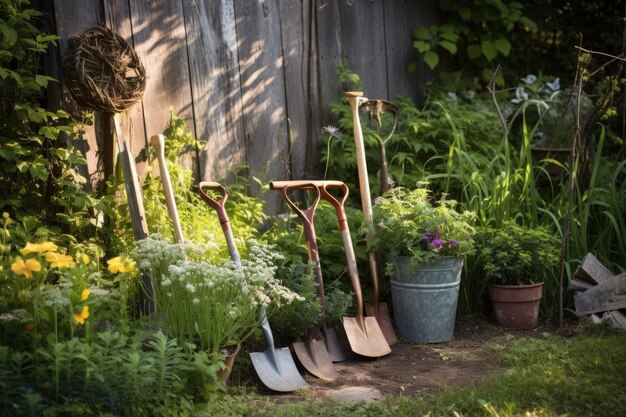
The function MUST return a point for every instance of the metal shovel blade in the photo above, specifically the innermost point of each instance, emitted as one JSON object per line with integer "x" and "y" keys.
{"x": 384, "y": 321}
{"x": 336, "y": 349}
{"x": 277, "y": 370}
{"x": 315, "y": 359}
{"x": 368, "y": 339}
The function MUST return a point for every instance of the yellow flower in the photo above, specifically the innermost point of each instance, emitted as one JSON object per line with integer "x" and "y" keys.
{"x": 82, "y": 258}
{"x": 5, "y": 215}
{"x": 85, "y": 294}
{"x": 121, "y": 264}
{"x": 59, "y": 261}
{"x": 84, "y": 314}
{"x": 38, "y": 247}
{"x": 26, "y": 268}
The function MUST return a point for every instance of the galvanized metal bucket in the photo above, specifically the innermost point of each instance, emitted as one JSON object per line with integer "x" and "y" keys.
{"x": 425, "y": 298}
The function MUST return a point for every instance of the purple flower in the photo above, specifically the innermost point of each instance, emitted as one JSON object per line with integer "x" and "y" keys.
{"x": 430, "y": 237}
{"x": 436, "y": 243}
{"x": 331, "y": 131}
{"x": 453, "y": 243}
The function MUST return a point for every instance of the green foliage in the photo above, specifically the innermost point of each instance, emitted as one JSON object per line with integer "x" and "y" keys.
{"x": 517, "y": 255}
{"x": 38, "y": 161}
{"x": 108, "y": 373}
{"x": 198, "y": 221}
{"x": 291, "y": 322}
{"x": 476, "y": 32}
{"x": 406, "y": 223}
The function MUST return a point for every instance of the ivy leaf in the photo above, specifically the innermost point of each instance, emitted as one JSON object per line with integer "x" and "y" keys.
{"x": 432, "y": 59}
{"x": 448, "y": 46}
{"x": 489, "y": 49}
{"x": 503, "y": 45}
{"x": 421, "y": 46}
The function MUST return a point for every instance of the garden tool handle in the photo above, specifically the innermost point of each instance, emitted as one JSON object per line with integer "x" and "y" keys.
{"x": 305, "y": 184}
{"x": 158, "y": 143}
{"x": 306, "y": 215}
{"x": 354, "y": 98}
{"x": 218, "y": 206}
{"x": 375, "y": 108}
{"x": 131, "y": 183}
{"x": 353, "y": 271}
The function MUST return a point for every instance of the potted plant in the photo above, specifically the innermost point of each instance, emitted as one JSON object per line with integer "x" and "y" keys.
{"x": 516, "y": 260}
{"x": 424, "y": 243}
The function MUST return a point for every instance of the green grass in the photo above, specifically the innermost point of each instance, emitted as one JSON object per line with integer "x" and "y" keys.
{"x": 546, "y": 376}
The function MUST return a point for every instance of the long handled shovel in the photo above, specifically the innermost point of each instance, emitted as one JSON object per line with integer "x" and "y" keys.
{"x": 364, "y": 334}
{"x": 332, "y": 338}
{"x": 378, "y": 310}
{"x": 313, "y": 353}
{"x": 275, "y": 367}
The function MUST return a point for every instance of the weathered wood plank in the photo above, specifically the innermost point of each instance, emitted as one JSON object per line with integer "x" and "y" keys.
{"x": 579, "y": 285}
{"x": 299, "y": 56}
{"x": 608, "y": 295}
{"x": 159, "y": 39}
{"x": 72, "y": 18}
{"x": 263, "y": 91}
{"x": 329, "y": 47}
{"x": 363, "y": 38}
{"x": 401, "y": 17}
{"x": 592, "y": 270}
{"x": 212, "y": 46}
{"x": 117, "y": 18}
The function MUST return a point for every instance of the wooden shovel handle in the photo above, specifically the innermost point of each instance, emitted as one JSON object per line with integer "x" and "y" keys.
{"x": 219, "y": 207}
{"x": 158, "y": 143}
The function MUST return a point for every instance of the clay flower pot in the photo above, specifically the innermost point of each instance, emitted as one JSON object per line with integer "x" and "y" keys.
{"x": 516, "y": 306}
{"x": 230, "y": 353}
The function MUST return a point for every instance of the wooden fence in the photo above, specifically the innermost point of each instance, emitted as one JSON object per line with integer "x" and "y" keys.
{"x": 253, "y": 78}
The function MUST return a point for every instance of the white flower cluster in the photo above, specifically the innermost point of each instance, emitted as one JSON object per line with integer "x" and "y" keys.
{"x": 253, "y": 283}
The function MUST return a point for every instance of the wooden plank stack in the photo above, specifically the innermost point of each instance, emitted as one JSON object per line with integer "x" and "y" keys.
{"x": 601, "y": 294}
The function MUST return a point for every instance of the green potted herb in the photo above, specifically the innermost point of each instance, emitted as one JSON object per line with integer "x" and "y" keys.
{"x": 424, "y": 243}
{"x": 516, "y": 260}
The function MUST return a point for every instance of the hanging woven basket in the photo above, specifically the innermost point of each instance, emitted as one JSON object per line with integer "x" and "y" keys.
{"x": 102, "y": 71}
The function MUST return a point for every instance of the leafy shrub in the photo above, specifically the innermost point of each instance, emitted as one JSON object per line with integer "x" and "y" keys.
{"x": 516, "y": 255}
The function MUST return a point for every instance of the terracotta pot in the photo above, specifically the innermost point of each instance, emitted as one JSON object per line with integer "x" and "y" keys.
{"x": 516, "y": 306}
{"x": 230, "y": 353}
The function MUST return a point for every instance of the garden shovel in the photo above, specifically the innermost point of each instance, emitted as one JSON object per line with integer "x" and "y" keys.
{"x": 314, "y": 352}
{"x": 364, "y": 334}
{"x": 376, "y": 309}
{"x": 275, "y": 367}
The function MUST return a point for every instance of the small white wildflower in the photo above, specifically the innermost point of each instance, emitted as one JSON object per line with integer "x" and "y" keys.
{"x": 190, "y": 288}
{"x": 529, "y": 79}
{"x": 452, "y": 96}
{"x": 166, "y": 282}
{"x": 196, "y": 301}
{"x": 554, "y": 85}
{"x": 520, "y": 95}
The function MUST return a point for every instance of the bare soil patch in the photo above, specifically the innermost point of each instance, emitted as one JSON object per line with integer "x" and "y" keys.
{"x": 413, "y": 369}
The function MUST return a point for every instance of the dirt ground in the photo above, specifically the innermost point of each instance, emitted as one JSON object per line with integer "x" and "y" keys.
{"x": 413, "y": 369}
